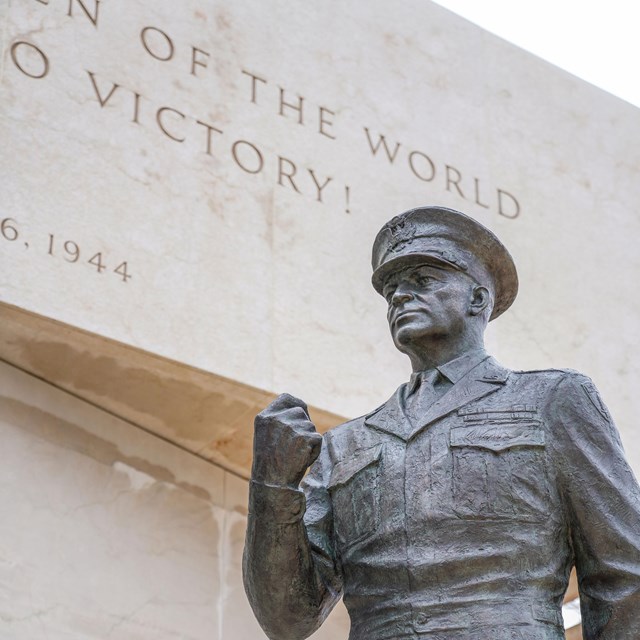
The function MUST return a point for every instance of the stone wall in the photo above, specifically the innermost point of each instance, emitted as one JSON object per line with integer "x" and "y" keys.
{"x": 110, "y": 532}
{"x": 232, "y": 155}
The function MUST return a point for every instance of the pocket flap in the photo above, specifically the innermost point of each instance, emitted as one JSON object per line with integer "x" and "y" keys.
{"x": 498, "y": 437}
{"x": 548, "y": 613}
{"x": 345, "y": 470}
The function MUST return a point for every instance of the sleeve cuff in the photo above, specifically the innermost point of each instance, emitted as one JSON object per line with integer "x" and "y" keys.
{"x": 280, "y": 505}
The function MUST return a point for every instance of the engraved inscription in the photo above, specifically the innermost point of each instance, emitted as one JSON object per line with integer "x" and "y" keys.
{"x": 208, "y": 131}
{"x": 67, "y": 250}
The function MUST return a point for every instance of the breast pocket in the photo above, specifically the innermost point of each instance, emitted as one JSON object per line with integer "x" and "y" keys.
{"x": 354, "y": 489}
{"x": 499, "y": 471}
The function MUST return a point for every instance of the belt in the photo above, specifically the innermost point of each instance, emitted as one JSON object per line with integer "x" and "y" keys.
{"x": 459, "y": 620}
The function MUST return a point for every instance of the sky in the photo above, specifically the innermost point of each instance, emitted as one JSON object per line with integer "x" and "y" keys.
{"x": 596, "y": 41}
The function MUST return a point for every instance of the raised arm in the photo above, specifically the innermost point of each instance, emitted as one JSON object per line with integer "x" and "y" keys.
{"x": 603, "y": 500}
{"x": 289, "y": 567}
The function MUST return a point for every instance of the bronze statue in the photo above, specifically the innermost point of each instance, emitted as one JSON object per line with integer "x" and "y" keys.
{"x": 456, "y": 510}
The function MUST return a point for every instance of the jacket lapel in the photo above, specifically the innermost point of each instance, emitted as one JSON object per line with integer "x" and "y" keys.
{"x": 482, "y": 380}
{"x": 390, "y": 417}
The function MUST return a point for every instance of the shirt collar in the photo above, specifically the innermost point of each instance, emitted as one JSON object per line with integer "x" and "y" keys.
{"x": 455, "y": 369}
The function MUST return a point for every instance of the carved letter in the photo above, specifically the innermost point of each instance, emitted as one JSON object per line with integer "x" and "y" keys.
{"x": 167, "y": 39}
{"x": 382, "y": 142}
{"x": 101, "y": 100}
{"x": 319, "y": 187}
{"x": 431, "y": 166}
{"x": 515, "y": 205}
{"x": 477, "y": 183}
{"x": 234, "y": 153}
{"x": 43, "y": 58}
{"x": 160, "y": 122}
{"x": 210, "y": 130}
{"x": 455, "y": 181}
{"x": 254, "y": 85}
{"x": 323, "y": 121}
{"x": 194, "y": 60}
{"x": 136, "y": 107}
{"x": 93, "y": 17}
{"x": 295, "y": 107}
{"x": 289, "y": 176}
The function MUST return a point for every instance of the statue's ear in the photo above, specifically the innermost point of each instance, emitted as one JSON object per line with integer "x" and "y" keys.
{"x": 480, "y": 301}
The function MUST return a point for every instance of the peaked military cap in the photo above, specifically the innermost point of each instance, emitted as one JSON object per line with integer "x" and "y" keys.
{"x": 445, "y": 236}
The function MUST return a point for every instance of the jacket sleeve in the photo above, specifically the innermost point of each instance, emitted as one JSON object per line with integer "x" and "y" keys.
{"x": 290, "y": 573}
{"x": 602, "y": 499}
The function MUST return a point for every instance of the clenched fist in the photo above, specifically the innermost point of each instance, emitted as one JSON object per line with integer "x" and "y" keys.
{"x": 285, "y": 442}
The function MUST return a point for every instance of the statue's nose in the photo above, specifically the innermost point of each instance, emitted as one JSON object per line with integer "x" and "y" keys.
{"x": 400, "y": 296}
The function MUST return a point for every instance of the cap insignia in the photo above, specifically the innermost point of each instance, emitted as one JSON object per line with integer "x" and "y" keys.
{"x": 401, "y": 229}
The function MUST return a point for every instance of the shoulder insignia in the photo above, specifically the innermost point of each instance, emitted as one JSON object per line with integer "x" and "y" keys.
{"x": 594, "y": 397}
{"x": 536, "y": 371}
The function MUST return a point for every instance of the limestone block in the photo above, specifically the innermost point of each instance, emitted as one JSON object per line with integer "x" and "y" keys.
{"x": 232, "y": 155}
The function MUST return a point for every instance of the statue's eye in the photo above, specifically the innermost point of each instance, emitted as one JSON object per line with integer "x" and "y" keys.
{"x": 424, "y": 280}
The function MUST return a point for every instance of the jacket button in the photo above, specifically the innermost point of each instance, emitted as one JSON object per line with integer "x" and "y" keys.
{"x": 422, "y": 618}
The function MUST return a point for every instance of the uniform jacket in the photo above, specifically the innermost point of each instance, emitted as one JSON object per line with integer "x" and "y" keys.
{"x": 462, "y": 527}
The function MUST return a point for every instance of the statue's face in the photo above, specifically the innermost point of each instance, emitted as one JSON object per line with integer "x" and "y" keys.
{"x": 426, "y": 303}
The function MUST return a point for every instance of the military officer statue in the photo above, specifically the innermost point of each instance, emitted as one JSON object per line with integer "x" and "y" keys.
{"x": 457, "y": 509}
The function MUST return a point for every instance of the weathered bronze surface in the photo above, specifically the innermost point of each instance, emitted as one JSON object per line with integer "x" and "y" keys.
{"x": 457, "y": 509}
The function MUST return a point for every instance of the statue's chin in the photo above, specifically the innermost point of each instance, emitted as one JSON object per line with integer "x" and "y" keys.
{"x": 412, "y": 339}
{"x": 405, "y": 337}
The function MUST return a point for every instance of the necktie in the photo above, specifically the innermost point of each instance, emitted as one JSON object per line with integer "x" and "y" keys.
{"x": 428, "y": 388}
